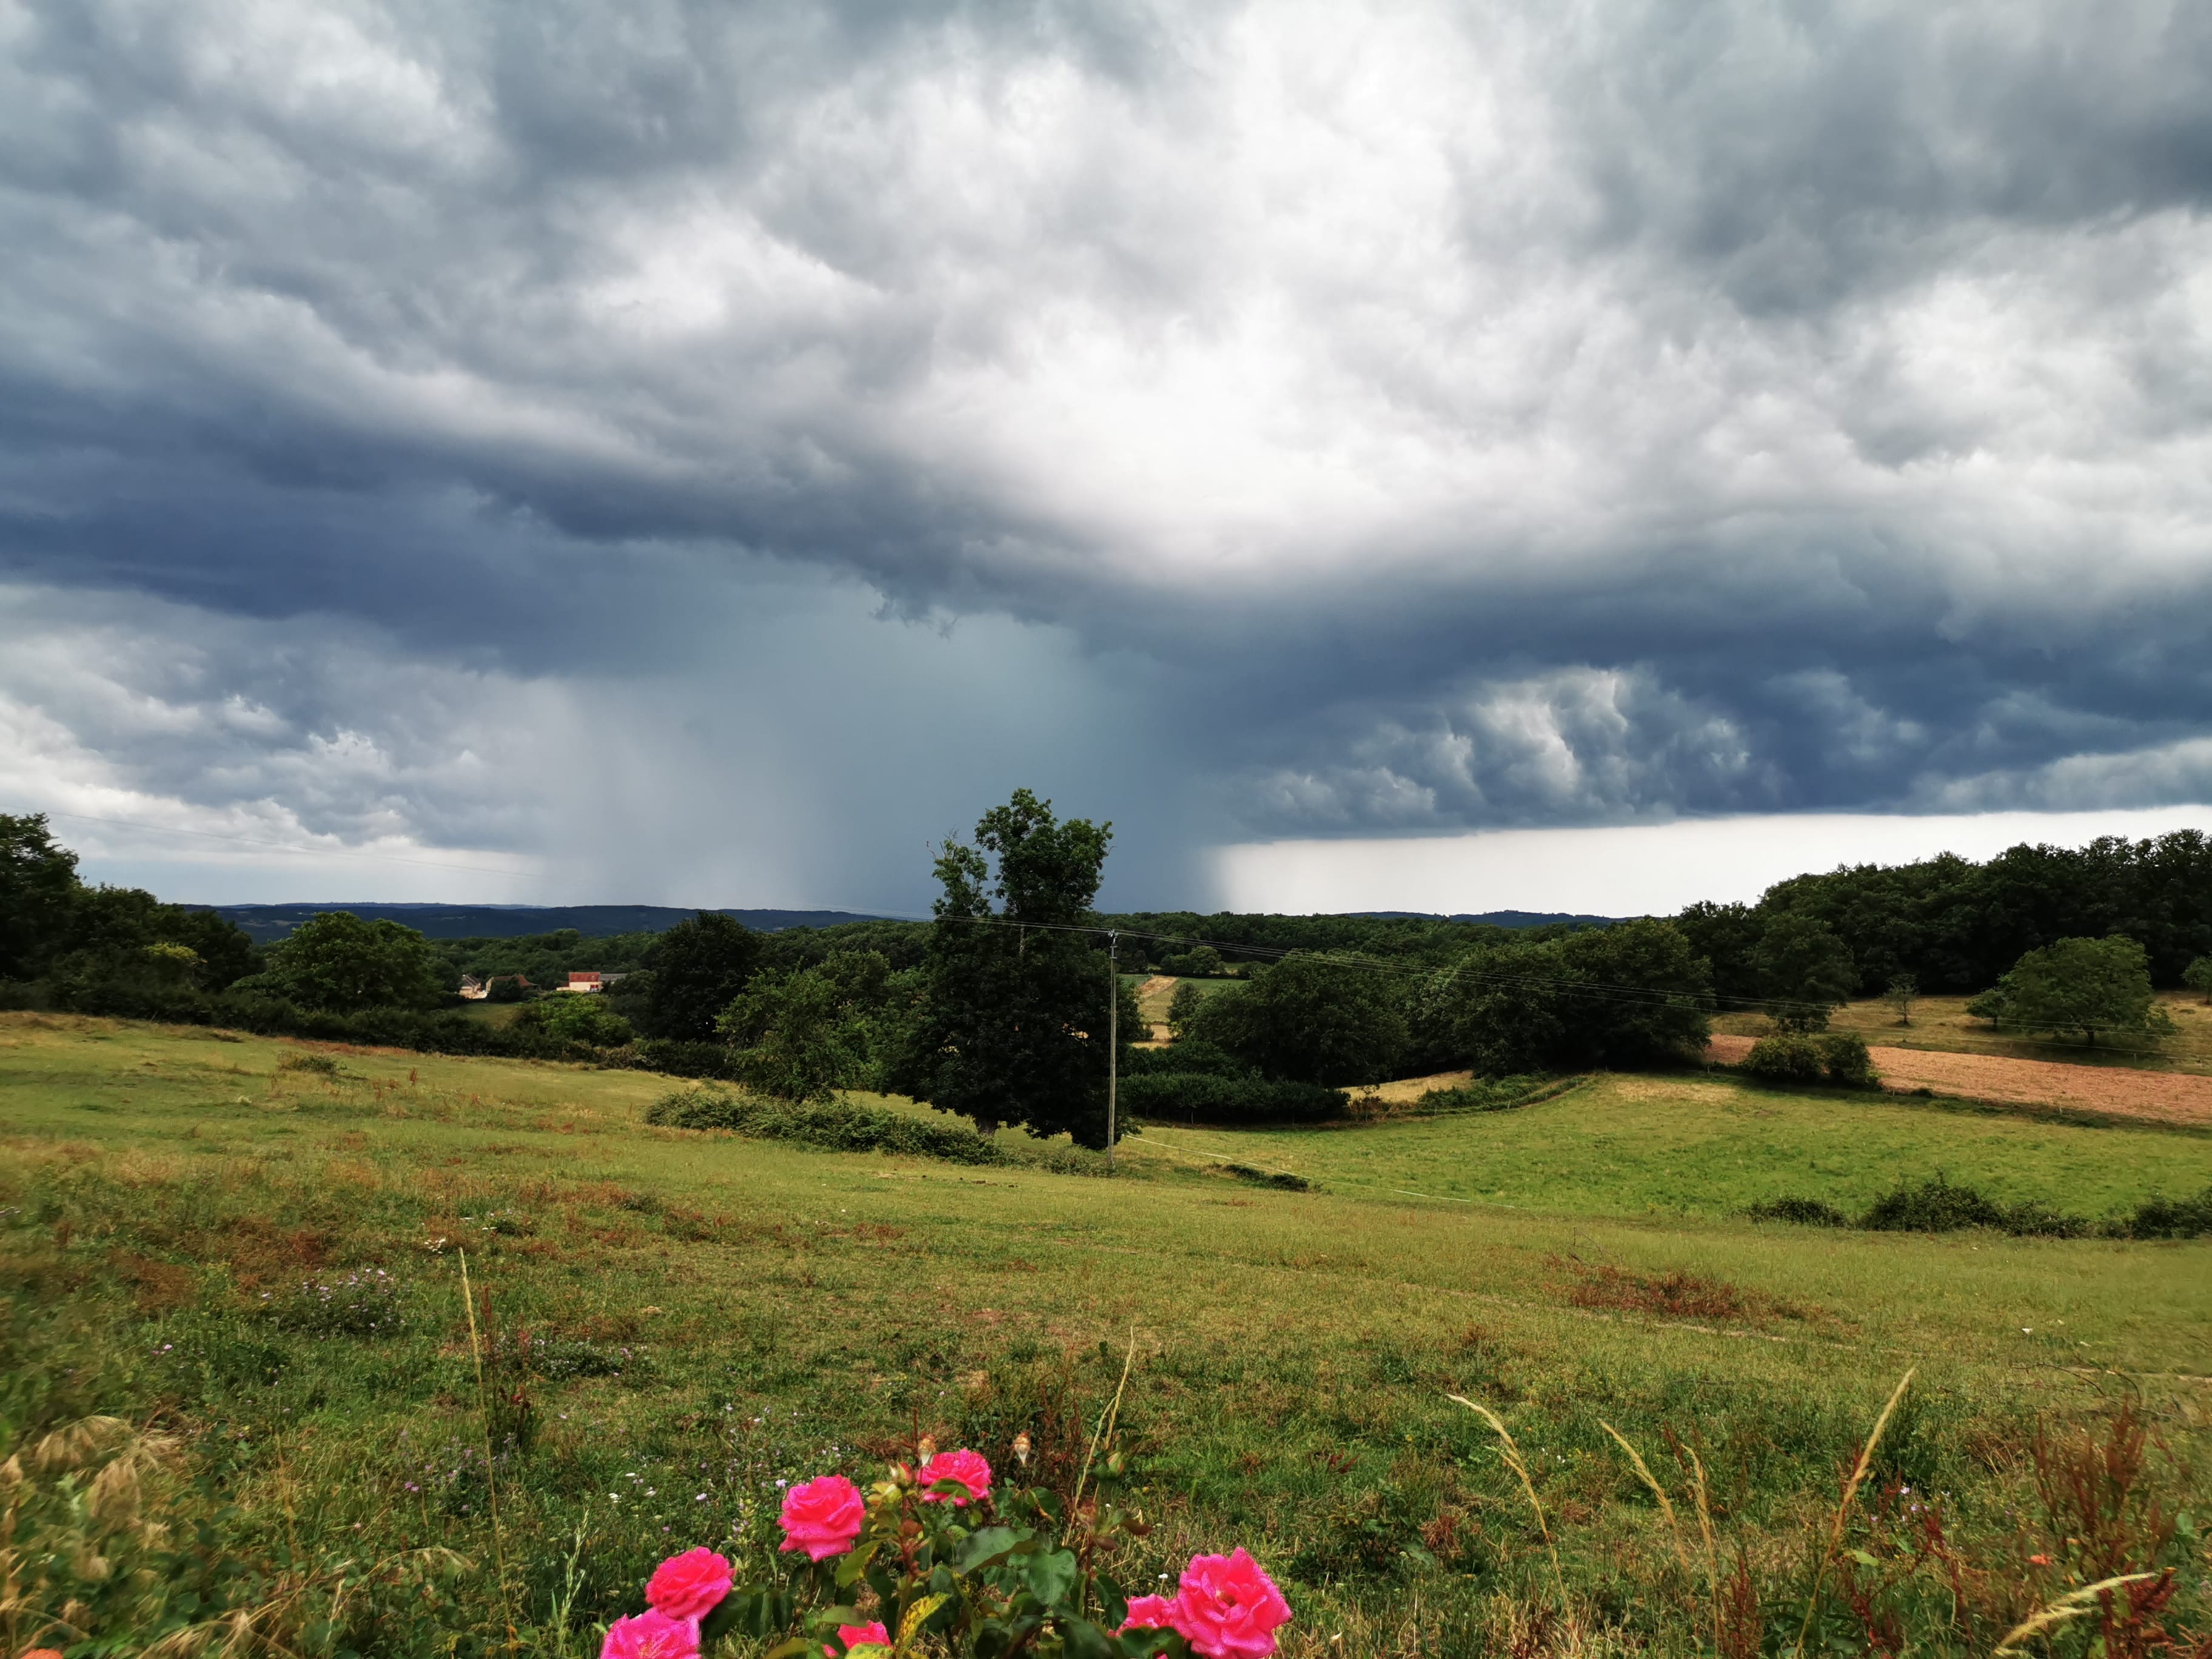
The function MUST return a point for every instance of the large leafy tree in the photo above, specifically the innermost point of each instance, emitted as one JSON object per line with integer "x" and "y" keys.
{"x": 337, "y": 961}
{"x": 1805, "y": 970}
{"x": 1012, "y": 1018}
{"x": 2085, "y": 984}
{"x": 39, "y": 889}
{"x": 796, "y": 1037}
{"x": 1623, "y": 997}
{"x": 1308, "y": 1019}
{"x": 697, "y": 967}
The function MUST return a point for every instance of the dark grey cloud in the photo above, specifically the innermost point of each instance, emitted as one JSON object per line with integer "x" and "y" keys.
{"x": 1304, "y": 420}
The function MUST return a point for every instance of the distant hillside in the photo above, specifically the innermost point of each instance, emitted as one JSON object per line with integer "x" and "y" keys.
{"x": 267, "y": 923}
{"x": 1494, "y": 918}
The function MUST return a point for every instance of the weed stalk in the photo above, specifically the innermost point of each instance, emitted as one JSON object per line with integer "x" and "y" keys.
{"x": 1843, "y": 1509}
{"x": 491, "y": 1481}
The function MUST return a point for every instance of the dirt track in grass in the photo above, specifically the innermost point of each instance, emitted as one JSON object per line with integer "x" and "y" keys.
{"x": 2111, "y": 1091}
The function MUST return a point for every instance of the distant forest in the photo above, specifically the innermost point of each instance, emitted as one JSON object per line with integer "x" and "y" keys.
{"x": 1952, "y": 924}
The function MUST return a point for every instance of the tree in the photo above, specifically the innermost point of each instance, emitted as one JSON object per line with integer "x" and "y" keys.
{"x": 1626, "y": 997}
{"x": 795, "y": 1038}
{"x": 337, "y": 962}
{"x": 697, "y": 967}
{"x": 2197, "y": 977}
{"x": 1903, "y": 991}
{"x": 1182, "y": 1008}
{"x": 1308, "y": 1019}
{"x": 1199, "y": 962}
{"x": 576, "y": 1017}
{"x": 39, "y": 889}
{"x": 1726, "y": 936}
{"x": 1803, "y": 969}
{"x": 1012, "y": 1015}
{"x": 2085, "y": 984}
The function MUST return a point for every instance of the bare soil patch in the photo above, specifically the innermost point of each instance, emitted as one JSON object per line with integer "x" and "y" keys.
{"x": 2109, "y": 1091}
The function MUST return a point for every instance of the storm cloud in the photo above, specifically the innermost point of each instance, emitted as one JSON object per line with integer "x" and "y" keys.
{"x": 773, "y": 432}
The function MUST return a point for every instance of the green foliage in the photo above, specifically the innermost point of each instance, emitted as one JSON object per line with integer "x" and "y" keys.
{"x": 1182, "y": 1008}
{"x": 1803, "y": 1211}
{"x": 1011, "y": 1013}
{"x": 795, "y": 1037}
{"x": 1901, "y": 993}
{"x": 1204, "y": 1098}
{"x": 1792, "y": 1057}
{"x": 1309, "y": 1019}
{"x": 1956, "y": 926}
{"x": 698, "y": 967}
{"x": 836, "y": 1128}
{"x": 1785, "y": 1057}
{"x": 1803, "y": 969}
{"x": 1844, "y": 1057}
{"x": 1623, "y": 997}
{"x": 2197, "y": 977}
{"x": 39, "y": 889}
{"x": 337, "y": 963}
{"x": 1199, "y": 962}
{"x": 1498, "y": 1094}
{"x": 2084, "y": 984}
{"x": 576, "y": 1017}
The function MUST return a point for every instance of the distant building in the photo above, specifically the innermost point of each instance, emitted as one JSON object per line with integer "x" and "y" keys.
{"x": 587, "y": 983}
{"x": 475, "y": 989}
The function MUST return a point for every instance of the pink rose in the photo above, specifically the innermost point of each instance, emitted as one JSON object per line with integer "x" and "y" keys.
{"x": 652, "y": 1635}
{"x": 853, "y": 1635}
{"x": 968, "y": 1467}
{"x": 1230, "y": 1609}
{"x": 689, "y": 1586}
{"x": 823, "y": 1516}
{"x": 1150, "y": 1612}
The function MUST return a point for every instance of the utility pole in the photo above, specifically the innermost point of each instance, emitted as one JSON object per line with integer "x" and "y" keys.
{"x": 1113, "y": 1036}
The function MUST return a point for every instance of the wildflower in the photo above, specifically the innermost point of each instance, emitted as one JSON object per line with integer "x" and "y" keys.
{"x": 691, "y": 1585}
{"x": 964, "y": 1467}
{"x": 823, "y": 1516}
{"x": 1228, "y": 1608}
{"x": 2038, "y": 1560}
{"x": 853, "y": 1636}
{"x": 652, "y": 1635}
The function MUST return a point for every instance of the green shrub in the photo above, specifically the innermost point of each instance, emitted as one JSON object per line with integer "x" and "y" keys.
{"x": 1787, "y": 1057}
{"x": 835, "y": 1125}
{"x": 1496, "y": 1094}
{"x": 1844, "y": 1056}
{"x": 1803, "y": 1211}
{"x": 2166, "y": 1217}
{"x": 1938, "y": 1206}
{"x": 1203, "y": 1098}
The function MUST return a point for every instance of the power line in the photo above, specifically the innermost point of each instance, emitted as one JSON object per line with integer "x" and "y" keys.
{"x": 286, "y": 847}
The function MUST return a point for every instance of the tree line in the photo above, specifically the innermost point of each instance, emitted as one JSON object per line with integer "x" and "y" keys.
{"x": 1000, "y": 1006}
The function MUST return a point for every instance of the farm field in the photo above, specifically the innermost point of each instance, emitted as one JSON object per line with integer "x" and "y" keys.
{"x": 691, "y": 1317}
{"x": 2168, "y": 1096}
{"x": 1941, "y": 1023}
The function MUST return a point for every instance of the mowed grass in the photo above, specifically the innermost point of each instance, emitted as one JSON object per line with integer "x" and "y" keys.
{"x": 747, "y": 1312}
{"x": 1710, "y": 1146}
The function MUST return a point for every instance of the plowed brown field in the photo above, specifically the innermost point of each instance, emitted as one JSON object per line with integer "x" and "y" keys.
{"x": 2111, "y": 1091}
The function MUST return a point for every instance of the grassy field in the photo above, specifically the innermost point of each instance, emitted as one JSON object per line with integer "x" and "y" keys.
{"x": 686, "y": 1318}
{"x": 1942, "y": 1023}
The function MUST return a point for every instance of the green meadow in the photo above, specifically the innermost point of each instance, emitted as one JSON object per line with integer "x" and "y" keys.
{"x": 249, "y": 1252}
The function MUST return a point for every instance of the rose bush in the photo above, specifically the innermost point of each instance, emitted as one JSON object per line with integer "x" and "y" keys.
{"x": 953, "y": 1567}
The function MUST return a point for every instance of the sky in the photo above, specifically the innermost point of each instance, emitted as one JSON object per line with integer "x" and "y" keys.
{"x": 642, "y": 451}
